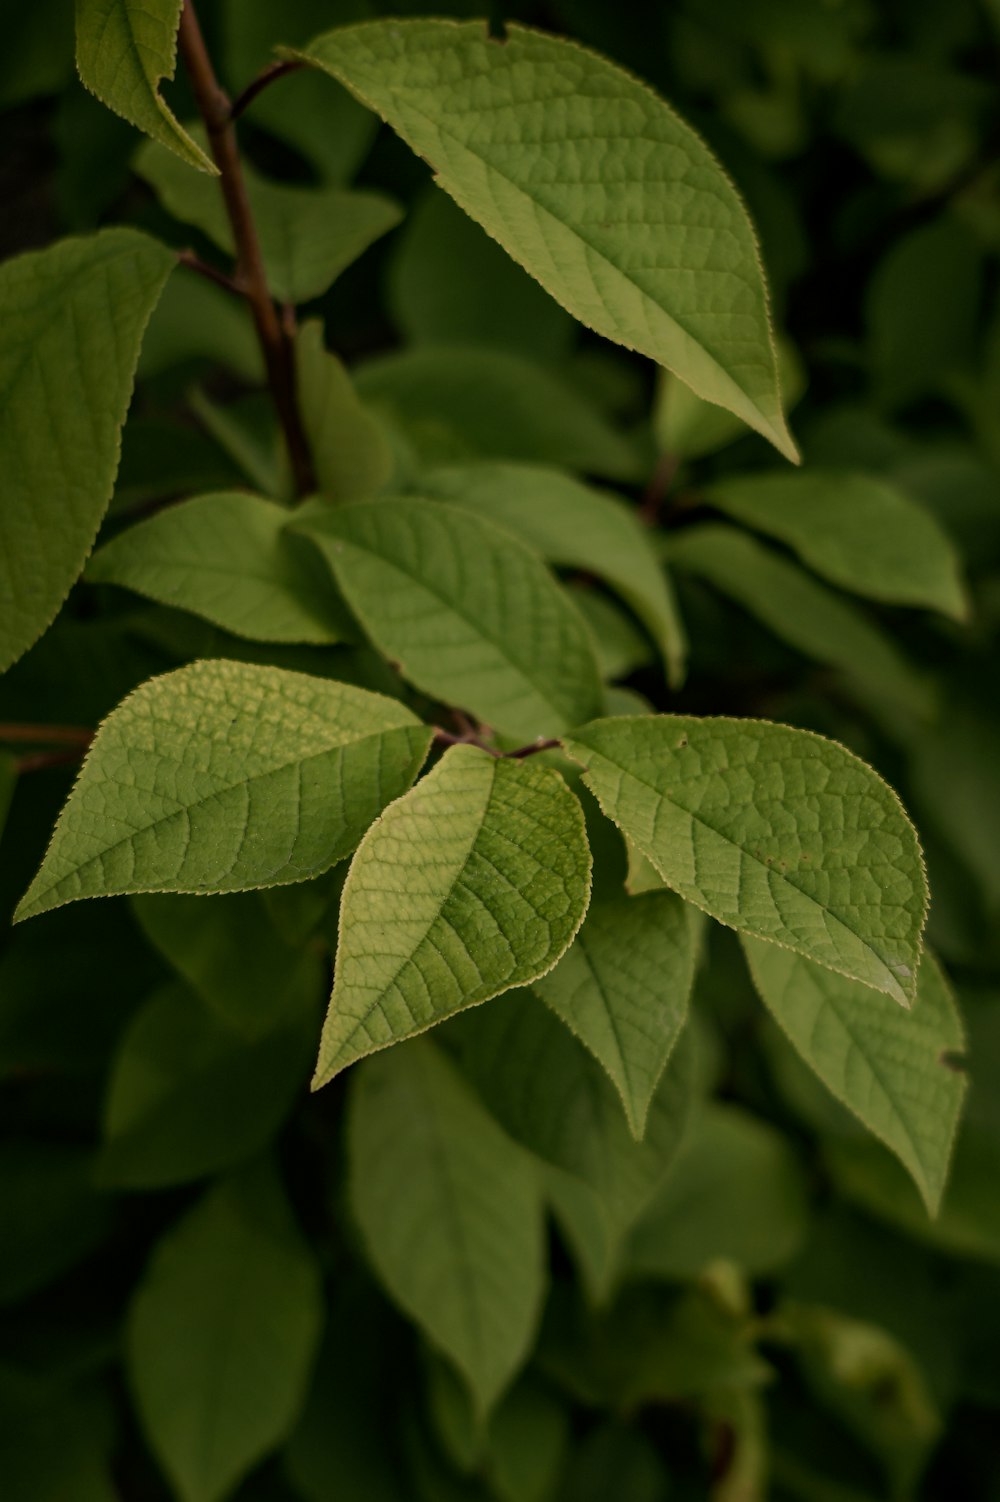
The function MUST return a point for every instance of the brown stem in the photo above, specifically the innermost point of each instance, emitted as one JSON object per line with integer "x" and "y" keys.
{"x": 279, "y": 355}
{"x": 268, "y": 75}
{"x": 37, "y": 761}
{"x": 470, "y": 738}
{"x": 658, "y": 489}
{"x": 73, "y": 735}
{"x": 211, "y": 273}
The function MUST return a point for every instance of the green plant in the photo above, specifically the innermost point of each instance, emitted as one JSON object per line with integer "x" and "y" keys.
{"x": 388, "y": 704}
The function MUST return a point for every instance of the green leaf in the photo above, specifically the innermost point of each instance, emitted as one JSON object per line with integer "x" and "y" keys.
{"x": 686, "y": 427}
{"x": 469, "y": 613}
{"x": 476, "y": 881}
{"x": 350, "y": 452}
{"x": 189, "y": 1095}
{"x": 737, "y": 1192}
{"x": 222, "y": 1332}
{"x": 449, "y": 283}
{"x": 451, "y": 1213}
{"x": 811, "y": 618}
{"x": 56, "y": 1439}
{"x": 308, "y": 236}
{"x": 548, "y": 1092}
{"x": 778, "y": 833}
{"x": 226, "y": 557}
{"x": 591, "y": 183}
{"x": 124, "y": 51}
{"x": 464, "y": 401}
{"x": 73, "y": 318}
{"x": 196, "y": 320}
{"x": 623, "y": 989}
{"x": 222, "y": 776}
{"x": 860, "y": 532}
{"x": 894, "y": 1070}
{"x": 576, "y": 527}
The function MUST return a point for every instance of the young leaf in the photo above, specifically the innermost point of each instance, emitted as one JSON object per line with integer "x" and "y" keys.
{"x": 592, "y": 183}
{"x": 858, "y": 531}
{"x": 308, "y": 236}
{"x": 465, "y": 401}
{"x": 803, "y": 612}
{"x": 738, "y": 1192}
{"x": 221, "y": 1336}
{"x": 124, "y": 51}
{"x": 469, "y": 613}
{"x": 73, "y": 318}
{"x": 476, "y": 881}
{"x": 549, "y": 1093}
{"x": 189, "y": 1095}
{"x": 451, "y": 1212}
{"x": 222, "y": 776}
{"x": 351, "y": 454}
{"x": 776, "y": 832}
{"x": 623, "y": 988}
{"x": 577, "y": 527}
{"x": 891, "y": 1069}
{"x": 228, "y": 558}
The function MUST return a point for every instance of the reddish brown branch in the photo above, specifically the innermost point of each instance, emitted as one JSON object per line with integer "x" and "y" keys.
{"x": 211, "y": 273}
{"x": 471, "y": 738}
{"x": 37, "y": 761}
{"x": 279, "y": 354}
{"x": 266, "y": 76}
{"x": 73, "y": 735}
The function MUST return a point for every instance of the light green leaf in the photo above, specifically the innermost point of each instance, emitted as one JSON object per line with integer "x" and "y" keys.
{"x": 226, "y": 557}
{"x": 124, "y": 51}
{"x": 221, "y": 1335}
{"x": 189, "y": 1095}
{"x": 804, "y": 613}
{"x": 73, "y": 318}
{"x": 474, "y": 882}
{"x": 463, "y": 401}
{"x": 308, "y": 236}
{"x": 591, "y": 183}
{"x": 470, "y": 614}
{"x": 451, "y": 1212}
{"x": 892, "y": 1069}
{"x": 223, "y": 776}
{"x": 778, "y": 833}
{"x": 858, "y": 531}
{"x": 686, "y": 427}
{"x": 737, "y": 1192}
{"x": 623, "y": 989}
{"x": 577, "y": 527}
{"x": 351, "y": 454}
{"x": 449, "y": 283}
{"x": 548, "y": 1092}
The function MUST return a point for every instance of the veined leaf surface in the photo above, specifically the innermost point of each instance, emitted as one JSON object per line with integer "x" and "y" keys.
{"x": 73, "y": 318}
{"x": 476, "y": 881}
{"x": 889, "y": 1067}
{"x": 223, "y": 776}
{"x": 776, "y": 832}
{"x": 470, "y": 614}
{"x": 451, "y": 1212}
{"x": 588, "y": 180}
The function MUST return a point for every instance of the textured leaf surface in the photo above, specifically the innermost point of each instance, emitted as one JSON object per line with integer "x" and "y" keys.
{"x": 776, "y": 832}
{"x": 474, "y": 882}
{"x": 551, "y": 1095}
{"x": 803, "y": 612}
{"x": 592, "y": 183}
{"x": 469, "y": 613}
{"x": 350, "y": 453}
{"x": 862, "y": 533}
{"x": 466, "y": 401}
{"x": 189, "y": 1096}
{"x": 221, "y": 1335}
{"x": 451, "y": 1212}
{"x": 308, "y": 236}
{"x": 223, "y": 776}
{"x": 124, "y": 51}
{"x": 889, "y": 1067}
{"x": 738, "y": 1192}
{"x": 623, "y": 988}
{"x": 73, "y": 318}
{"x": 574, "y": 526}
{"x": 226, "y": 557}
